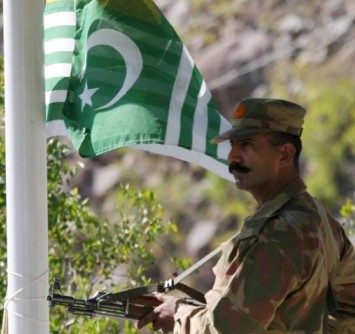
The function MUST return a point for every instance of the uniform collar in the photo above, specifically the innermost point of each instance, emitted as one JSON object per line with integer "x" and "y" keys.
{"x": 271, "y": 208}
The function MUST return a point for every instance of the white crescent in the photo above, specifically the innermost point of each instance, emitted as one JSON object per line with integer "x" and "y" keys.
{"x": 129, "y": 52}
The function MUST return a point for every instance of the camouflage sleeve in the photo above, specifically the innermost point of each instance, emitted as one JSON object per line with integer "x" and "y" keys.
{"x": 340, "y": 253}
{"x": 190, "y": 319}
{"x": 344, "y": 282}
{"x": 247, "y": 291}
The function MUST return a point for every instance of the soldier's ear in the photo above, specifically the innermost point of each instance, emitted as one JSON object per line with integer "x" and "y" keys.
{"x": 287, "y": 153}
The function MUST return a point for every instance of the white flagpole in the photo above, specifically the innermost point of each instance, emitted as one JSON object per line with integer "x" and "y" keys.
{"x": 26, "y": 173}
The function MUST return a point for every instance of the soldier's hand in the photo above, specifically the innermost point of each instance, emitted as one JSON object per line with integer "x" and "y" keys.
{"x": 162, "y": 316}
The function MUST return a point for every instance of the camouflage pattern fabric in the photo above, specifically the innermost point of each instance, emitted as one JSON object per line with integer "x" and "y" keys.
{"x": 273, "y": 277}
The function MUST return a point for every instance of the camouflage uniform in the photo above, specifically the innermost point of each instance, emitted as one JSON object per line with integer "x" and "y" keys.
{"x": 274, "y": 275}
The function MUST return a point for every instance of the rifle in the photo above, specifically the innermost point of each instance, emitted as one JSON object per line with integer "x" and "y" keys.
{"x": 127, "y": 304}
{"x": 132, "y": 303}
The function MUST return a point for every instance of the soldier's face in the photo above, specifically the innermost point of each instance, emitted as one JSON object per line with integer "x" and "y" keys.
{"x": 254, "y": 163}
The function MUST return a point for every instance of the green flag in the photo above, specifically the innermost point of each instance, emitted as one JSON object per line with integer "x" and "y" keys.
{"x": 117, "y": 74}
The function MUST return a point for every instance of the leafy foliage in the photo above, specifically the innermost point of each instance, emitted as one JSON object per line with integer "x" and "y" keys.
{"x": 348, "y": 212}
{"x": 86, "y": 250}
{"x": 329, "y": 130}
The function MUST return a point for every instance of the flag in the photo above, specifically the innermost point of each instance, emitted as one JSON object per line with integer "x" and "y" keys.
{"x": 117, "y": 74}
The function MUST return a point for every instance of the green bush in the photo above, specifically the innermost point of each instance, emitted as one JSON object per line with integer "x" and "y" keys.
{"x": 329, "y": 129}
{"x": 348, "y": 213}
{"x": 84, "y": 249}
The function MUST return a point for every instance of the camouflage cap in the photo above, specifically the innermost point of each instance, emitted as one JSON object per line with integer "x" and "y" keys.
{"x": 254, "y": 115}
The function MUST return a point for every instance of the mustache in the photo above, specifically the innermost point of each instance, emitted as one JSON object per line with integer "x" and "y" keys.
{"x": 237, "y": 167}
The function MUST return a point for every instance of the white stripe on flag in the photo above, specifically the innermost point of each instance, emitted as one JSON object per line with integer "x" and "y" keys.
{"x": 59, "y": 45}
{"x": 56, "y": 128}
{"x": 55, "y": 96}
{"x": 59, "y": 20}
{"x": 200, "y": 123}
{"x": 57, "y": 71}
{"x": 181, "y": 153}
{"x": 178, "y": 96}
{"x": 224, "y": 147}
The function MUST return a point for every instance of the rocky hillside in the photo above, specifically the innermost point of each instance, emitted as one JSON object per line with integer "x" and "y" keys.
{"x": 237, "y": 43}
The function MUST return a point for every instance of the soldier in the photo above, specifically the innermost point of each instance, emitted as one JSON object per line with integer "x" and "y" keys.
{"x": 291, "y": 269}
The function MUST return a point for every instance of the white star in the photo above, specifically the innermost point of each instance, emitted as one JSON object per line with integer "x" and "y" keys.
{"x": 86, "y": 95}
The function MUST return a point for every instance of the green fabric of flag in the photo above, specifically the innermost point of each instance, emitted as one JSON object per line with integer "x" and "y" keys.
{"x": 117, "y": 74}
